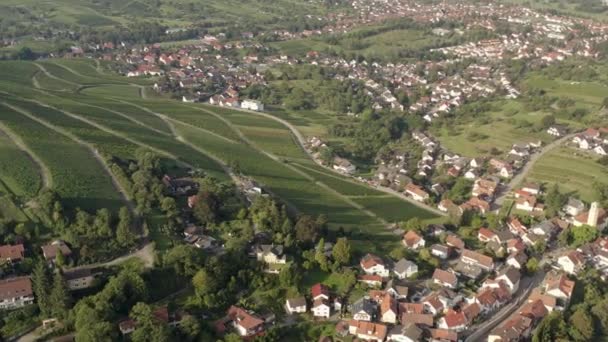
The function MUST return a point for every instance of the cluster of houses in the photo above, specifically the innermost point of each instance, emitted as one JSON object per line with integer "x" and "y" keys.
{"x": 553, "y": 294}
{"x": 16, "y": 291}
{"x": 592, "y": 139}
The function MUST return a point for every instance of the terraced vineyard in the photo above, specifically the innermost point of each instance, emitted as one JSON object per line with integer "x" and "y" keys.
{"x": 68, "y": 111}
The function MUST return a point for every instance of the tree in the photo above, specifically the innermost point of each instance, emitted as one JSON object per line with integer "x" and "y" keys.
{"x": 59, "y": 298}
{"x": 306, "y": 229}
{"x": 124, "y": 235}
{"x": 583, "y": 234}
{"x": 600, "y": 312}
{"x": 581, "y": 325}
{"x": 169, "y": 206}
{"x": 184, "y": 259}
{"x": 320, "y": 257}
{"x": 148, "y": 327}
{"x": 413, "y": 224}
{"x": 189, "y": 328}
{"x": 341, "y": 251}
{"x": 40, "y": 285}
{"x": 461, "y": 190}
{"x": 207, "y": 207}
{"x": 25, "y": 53}
{"x": 547, "y": 121}
{"x": 554, "y": 201}
{"x": 204, "y": 283}
{"x": 532, "y": 265}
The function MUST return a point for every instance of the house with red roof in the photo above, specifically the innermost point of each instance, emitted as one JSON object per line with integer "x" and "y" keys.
{"x": 571, "y": 262}
{"x": 11, "y": 254}
{"x": 246, "y": 323}
{"x": 319, "y": 291}
{"x": 413, "y": 240}
{"x": 445, "y": 278}
{"x": 374, "y": 265}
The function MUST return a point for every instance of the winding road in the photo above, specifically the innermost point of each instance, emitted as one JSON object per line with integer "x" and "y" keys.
{"x": 523, "y": 173}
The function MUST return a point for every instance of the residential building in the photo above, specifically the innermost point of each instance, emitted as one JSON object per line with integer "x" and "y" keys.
{"x": 572, "y": 262}
{"x": 16, "y": 292}
{"x": 11, "y": 254}
{"x": 79, "y": 279}
{"x": 321, "y": 308}
{"x": 295, "y": 305}
{"x": 270, "y": 254}
{"x": 445, "y": 278}
{"x": 413, "y": 240}
{"x": 405, "y": 269}
{"x": 374, "y": 265}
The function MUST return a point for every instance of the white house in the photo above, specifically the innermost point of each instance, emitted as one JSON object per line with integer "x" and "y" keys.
{"x": 321, "y": 308}
{"x": 372, "y": 264}
{"x": 295, "y": 305}
{"x": 405, "y": 269}
{"x": 572, "y": 262}
{"x": 252, "y": 105}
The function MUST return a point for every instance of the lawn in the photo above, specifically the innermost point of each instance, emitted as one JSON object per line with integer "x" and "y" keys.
{"x": 499, "y": 129}
{"x": 18, "y": 172}
{"x": 590, "y": 94}
{"x": 573, "y": 170}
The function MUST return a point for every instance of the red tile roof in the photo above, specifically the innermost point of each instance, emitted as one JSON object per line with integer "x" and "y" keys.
{"x": 15, "y": 288}
{"x": 11, "y": 252}
{"x": 318, "y": 290}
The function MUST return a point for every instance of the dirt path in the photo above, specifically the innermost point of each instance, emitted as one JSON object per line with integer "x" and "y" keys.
{"x": 168, "y": 121}
{"x": 124, "y": 194}
{"x": 523, "y": 173}
{"x": 45, "y": 173}
{"x": 145, "y": 254}
{"x": 126, "y": 116}
{"x": 47, "y": 73}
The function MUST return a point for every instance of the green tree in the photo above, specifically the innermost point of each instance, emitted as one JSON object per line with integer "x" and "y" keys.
{"x": 59, "y": 298}
{"x": 189, "y": 328}
{"x": 40, "y": 285}
{"x": 186, "y": 260}
{"x": 583, "y": 234}
{"x": 320, "y": 257}
{"x": 581, "y": 325}
{"x": 341, "y": 251}
{"x": 207, "y": 207}
{"x": 204, "y": 283}
{"x": 554, "y": 201}
{"x": 124, "y": 234}
{"x": 148, "y": 328}
{"x": 306, "y": 229}
{"x": 532, "y": 265}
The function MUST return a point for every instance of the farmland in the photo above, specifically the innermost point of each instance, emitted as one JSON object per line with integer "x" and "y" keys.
{"x": 115, "y": 120}
{"x": 557, "y": 168}
{"x": 18, "y": 172}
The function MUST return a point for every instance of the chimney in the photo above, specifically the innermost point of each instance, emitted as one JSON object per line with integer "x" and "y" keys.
{"x": 592, "y": 218}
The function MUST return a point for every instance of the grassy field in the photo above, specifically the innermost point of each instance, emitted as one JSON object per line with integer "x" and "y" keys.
{"x": 589, "y": 94}
{"x": 573, "y": 170}
{"x": 499, "y": 129}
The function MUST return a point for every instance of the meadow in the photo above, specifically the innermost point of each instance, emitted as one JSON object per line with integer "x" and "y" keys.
{"x": 557, "y": 167}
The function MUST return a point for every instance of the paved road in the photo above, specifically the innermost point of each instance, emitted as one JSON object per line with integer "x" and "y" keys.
{"x": 526, "y": 286}
{"x": 523, "y": 173}
{"x": 301, "y": 142}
